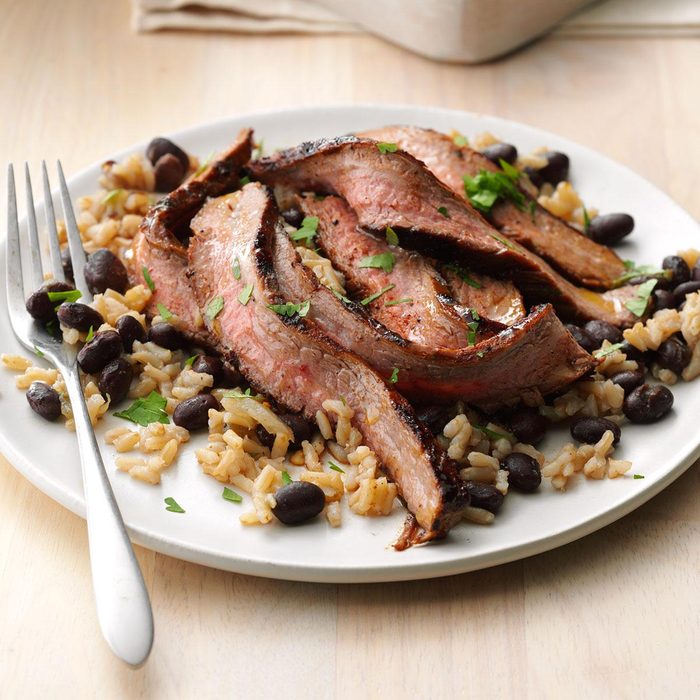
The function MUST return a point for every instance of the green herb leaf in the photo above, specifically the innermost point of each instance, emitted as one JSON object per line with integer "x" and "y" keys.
{"x": 215, "y": 307}
{"x": 510, "y": 170}
{"x": 463, "y": 275}
{"x": 492, "y": 434}
{"x": 604, "y": 352}
{"x": 70, "y": 296}
{"x": 502, "y": 241}
{"x": 190, "y": 360}
{"x": 236, "y": 269}
{"x": 444, "y": 212}
{"x": 286, "y": 478}
{"x": 244, "y": 181}
{"x": 385, "y": 147}
{"x": 246, "y": 294}
{"x": 391, "y": 236}
{"x": 111, "y": 196}
{"x": 385, "y": 261}
{"x": 638, "y": 476}
{"x": 460, "y": 140}
{"x": 233, "y": 394}
{"x": 394, "y": 376}
{"x": 484, "y": 189}
{"x": 638, "y": 305}
{"x": 204, "y": 165}
{"x": 172, "y": 505}
{"x": 164, "y": 311}
{"x": 376, "y": 295}
{"x": 231, "y": 495}
{"x": 396, "y": 302}
{"x": 340, "y": 296}
{"x": 289, "y": 309}
{"x": 38, "y": 352}
{"x": 335, "y": 468}
{"x": 149, "y": 280}
{"x": 309, "y": 227}
{"x": 638, "y": 271}
{"x": 90, "y": 335}
{"x": 145, "y": 411}
{"x": 586, "y": 221}
{"x": 532, "y": 208}
{"x": 471, "y": 333}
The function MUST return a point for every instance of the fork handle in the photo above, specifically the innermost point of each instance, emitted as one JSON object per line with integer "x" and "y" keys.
{"x": 123, "y": 605}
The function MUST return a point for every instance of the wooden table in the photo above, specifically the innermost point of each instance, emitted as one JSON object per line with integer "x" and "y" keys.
{"x": 613, "y": 615}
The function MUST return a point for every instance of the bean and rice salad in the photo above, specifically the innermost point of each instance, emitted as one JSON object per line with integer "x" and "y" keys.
{"x": 288, "y": 469}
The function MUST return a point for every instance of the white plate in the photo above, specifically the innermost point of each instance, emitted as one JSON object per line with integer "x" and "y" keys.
{"x": 209, "y": 532}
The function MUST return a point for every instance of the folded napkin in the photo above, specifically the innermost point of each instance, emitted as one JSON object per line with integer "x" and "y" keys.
{"x": 451, "y": 30}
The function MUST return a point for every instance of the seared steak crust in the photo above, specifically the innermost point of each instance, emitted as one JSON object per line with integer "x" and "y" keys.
{"x": 574, "y": 255}
{"x": 290, "y": 360}
{"x": 397, "y": 190}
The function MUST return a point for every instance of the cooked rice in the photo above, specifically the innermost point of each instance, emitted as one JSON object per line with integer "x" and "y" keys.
{"x": 565, "y": 203}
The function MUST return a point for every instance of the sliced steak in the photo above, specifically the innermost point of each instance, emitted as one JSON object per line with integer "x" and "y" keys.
{"x": 533, "y": 357}
{"x": 411, "y": 298}
{"x": 574, "y": 255}
{"x": 290, "y": 360}
{"x": 397, "y": 190}
{"x": 160, "y": 246}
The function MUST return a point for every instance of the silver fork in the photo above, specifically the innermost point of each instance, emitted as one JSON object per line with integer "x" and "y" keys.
{"x": 123, "y": 606}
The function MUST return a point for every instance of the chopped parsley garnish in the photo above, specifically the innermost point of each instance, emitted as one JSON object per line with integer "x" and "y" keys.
{"x": 244, "y": 296}
{"x": 111, "y": 196}
{"x": 335, "y": 468}
{"x": 604, "y": 352}
{"x": 149, "y": 280}
{"x": 231, "y": 495}
{"x": 394, "y": 376}
{"x": 474, "y": 314}
{"x": 444, "y": 212}
{"x": 145, "y": 411}
{"x": 309, "y": 226}
{"x": 164, "y": 311}
{"x": 638, "y": 305}
{"x": 385, "y": 261}
{"x": 471, "y": 333}
{"x": 637, "y": 271}
{"x": 376, "y": 295}
{"x": 204, "y": 165}
{"x": 396, "y": 302}
{"x": 492, "y": 434}
{"x": 638, "y": 476}
{"x": 286, "y": 478}
{"x": 70, "y": 295}
{"x": 463, "y": 275}
{"x": 247, "y": 394}
{"x": 215, "y": 307}
{"x": 586, "y": 220}
{"x": 340, "y": 296}
{"x": 244, "y": 180}
{"x": 460, "y": 139}
{"x": 510, "y": 170}
{"x": 532, "y": 208}
{"x": 502, "y": 241}
{"x": 236, "y": 269}
{"x": 289, "y": 309}
{"x": 385, "y": 147}
{"x": 190, "y": 360}
{"x": 90, "y": 335}
{"x": 38, "y": 352}
{"x": 487, "y": 187}
{"x": 172, "y": 505}
{"x": 391, "y": 237}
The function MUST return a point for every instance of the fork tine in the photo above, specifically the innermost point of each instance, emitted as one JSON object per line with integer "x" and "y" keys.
{"x": 56, "y": 267}
{"x": 37, "y": 276}
{"x": 77, "y": 253}
{"x": 15, "y": 289}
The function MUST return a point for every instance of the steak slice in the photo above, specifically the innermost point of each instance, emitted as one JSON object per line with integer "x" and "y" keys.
{"x": 534, "y": 356}
{"x": 574, "y": 255}
{"x": 397, "y": 190}
{"x": 160, "y": 246}
{"x": 411, "y": 298}
{"x": 290, "y": 360}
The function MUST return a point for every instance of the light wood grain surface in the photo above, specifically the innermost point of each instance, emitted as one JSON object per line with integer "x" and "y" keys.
{"x": 615, "y": 615}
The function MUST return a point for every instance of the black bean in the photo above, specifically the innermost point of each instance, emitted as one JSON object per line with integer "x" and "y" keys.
{"x": 501, "y": 151}
{"x": 582, "y": 337}
{"x": 298, "y": 502}
{"x": 590, "y": 429}
{"x": 695, "y": 273}
{"x": 534, "y": 175}
{"x": 44, "y": 400}
{"x": 130, "y": 330}
{"x": 680, "y": 272}
{"x": 266, "y": 439}
{"x": 167, "y": 336}
{"x": 79, "y": 316}
{"x": 557, "y": 168}
{"x": 663, "y": 299}
{"x": 673, "y": 354}
{"x": 67, "y": 263}
{"x": 484, "y": 496}
{"x": 686, "y": 288}
{"x": 302, "y": 429}
{"x": 610, "y": 229}
{"x": 104, "y": 270}
{"x": 160, "y": 147}
{"x": 602, "y": 330}
{"x": 528, "y": 425}
{"x": 169, "y": 173}
{"x": 647, "y": 404}
{"x": 662, "y": 282}
{"x": 632, "y": 353}
{"x": 230, "y": 376}
{"x": 115, "y": 379}
{"x": 293, "y": 217}
{"x": 208, "y": 364}
{"x": 435, "y": 417}
{"x": 523, "y": 471}
{"x": 628, "y": 380}
{"x": 193, "y": 413}
{"x": 100, "y": 351}
{"x": 40, "y": 306}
